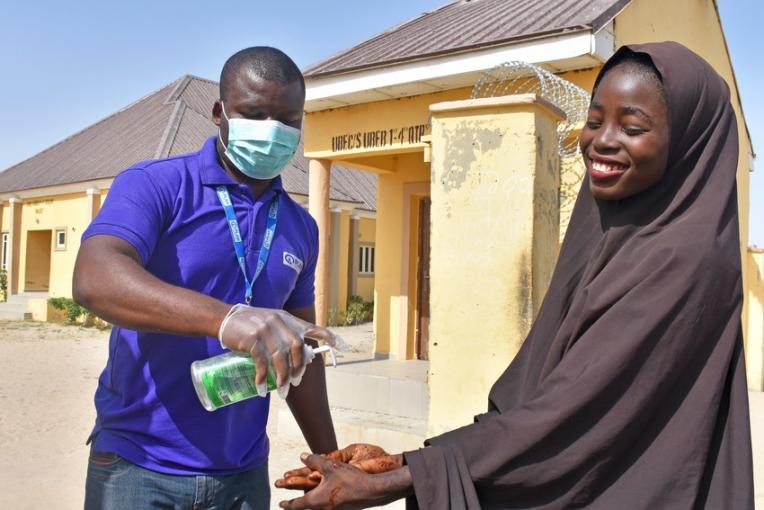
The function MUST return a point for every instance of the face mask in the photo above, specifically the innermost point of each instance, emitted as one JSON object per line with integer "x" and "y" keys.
{"x": 260, "y": 149}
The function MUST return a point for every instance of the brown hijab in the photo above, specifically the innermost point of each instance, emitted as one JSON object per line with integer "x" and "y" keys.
{"x": 630, "y": 390}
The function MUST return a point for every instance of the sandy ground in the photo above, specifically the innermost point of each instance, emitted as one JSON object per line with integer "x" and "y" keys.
{"x": 49, "y": 373}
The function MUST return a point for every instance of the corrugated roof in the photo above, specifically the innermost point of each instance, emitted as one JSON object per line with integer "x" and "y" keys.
{"x": 174, "y": 120}
{"x": 468, "y": 24}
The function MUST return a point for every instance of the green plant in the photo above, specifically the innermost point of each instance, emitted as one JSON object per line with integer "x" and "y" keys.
{"x": 72, "y": 310}
{"x": 3, "y": 285}
{"x": 358, "y": 311}
{"x": 336, "y": 317}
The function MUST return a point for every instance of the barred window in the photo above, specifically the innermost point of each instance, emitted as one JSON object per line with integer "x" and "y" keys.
{"x": 366, "y": 260}
{"x": 5, "y": 238}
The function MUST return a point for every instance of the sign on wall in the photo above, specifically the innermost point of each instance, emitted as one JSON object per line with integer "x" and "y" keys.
{"x": 381, "y": 138}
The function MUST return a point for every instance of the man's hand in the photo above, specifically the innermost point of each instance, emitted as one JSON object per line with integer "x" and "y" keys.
{"x": 368, "y": 458}
{"x": 271, "y": 336}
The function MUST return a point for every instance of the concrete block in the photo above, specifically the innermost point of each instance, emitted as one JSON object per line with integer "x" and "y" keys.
{"x": 358, "y": 391}
{"x": 409, "y": 398}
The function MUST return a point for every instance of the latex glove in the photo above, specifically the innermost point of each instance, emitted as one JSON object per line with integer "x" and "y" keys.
{"x": 272, "y": 337}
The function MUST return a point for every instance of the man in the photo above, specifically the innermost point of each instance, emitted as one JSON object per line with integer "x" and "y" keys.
{"x": 176, "y": 244}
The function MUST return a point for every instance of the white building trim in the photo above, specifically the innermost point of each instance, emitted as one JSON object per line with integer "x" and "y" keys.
{"x": 560, "y": 52}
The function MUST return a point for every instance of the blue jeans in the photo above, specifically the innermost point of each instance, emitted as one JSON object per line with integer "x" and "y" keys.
{"x": 116, "y": 484}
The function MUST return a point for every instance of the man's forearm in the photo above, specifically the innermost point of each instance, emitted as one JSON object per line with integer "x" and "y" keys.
{"x": 310, "y": 407}
{"x": 118, "y": 289}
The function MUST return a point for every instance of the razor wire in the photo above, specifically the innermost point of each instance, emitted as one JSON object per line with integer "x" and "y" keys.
{"x": 518, "y": 77}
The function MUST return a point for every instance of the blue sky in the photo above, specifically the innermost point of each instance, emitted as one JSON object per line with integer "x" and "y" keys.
{"x": 69, "y": 64}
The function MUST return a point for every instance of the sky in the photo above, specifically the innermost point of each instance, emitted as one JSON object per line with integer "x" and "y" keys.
{"x": 67, "y": 65}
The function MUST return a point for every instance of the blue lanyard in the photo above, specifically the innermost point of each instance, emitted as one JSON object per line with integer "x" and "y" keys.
{"x": 238, "y": 244}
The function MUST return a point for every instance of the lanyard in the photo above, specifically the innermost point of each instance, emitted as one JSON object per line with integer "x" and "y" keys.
{"x": 238, "y": 245}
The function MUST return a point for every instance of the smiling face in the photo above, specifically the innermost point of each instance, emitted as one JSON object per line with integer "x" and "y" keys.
{"x": 625, "y": 141}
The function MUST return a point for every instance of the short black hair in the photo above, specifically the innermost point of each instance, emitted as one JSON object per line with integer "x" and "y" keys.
{"x": 634, "y": 63}
{"x": 268, "y": 63}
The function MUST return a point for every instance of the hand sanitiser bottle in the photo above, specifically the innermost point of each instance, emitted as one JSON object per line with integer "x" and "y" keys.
{"x": 230, "y": 377}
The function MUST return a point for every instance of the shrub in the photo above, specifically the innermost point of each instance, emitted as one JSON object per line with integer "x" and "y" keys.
{"x": 72, "y": 310}
{"x": 335, "y": 317}
{"x": 3, "y": 285}
{"x": 359, "y": 311}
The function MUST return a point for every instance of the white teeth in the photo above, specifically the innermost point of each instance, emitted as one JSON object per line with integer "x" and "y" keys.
{"x": 604, "y": 167}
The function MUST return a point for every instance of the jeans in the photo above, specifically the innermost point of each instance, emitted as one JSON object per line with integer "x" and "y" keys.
{"x": 116, "y": 484}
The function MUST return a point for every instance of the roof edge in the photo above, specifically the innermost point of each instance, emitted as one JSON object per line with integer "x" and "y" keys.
{"x": 94, "y": 124}
{"x": 463, "y": 49}
{"x": 56, "y": 189}
{"x": 609, "y": 14}
{"x": 170, "y": 130}
{"x": 306, "y": 72}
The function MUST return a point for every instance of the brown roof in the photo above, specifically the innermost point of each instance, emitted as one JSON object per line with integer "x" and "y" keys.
{"x": 174, "y": 120}
{"x": 469, "y": 24}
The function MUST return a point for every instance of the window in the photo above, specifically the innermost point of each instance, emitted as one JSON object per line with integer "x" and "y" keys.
{"x": 366, "y": 260}
{"x": 5, "y": 239}
{"x": 61, "y": 239}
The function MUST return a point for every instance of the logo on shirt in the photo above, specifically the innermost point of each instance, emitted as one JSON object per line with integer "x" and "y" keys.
{"x": 292, "y": 261}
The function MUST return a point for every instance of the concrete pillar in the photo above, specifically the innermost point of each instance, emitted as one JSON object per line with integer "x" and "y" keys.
{"x": 494, "y": 242}
{"x": 14, "y": 240}
{"x": 2, "y": 230}
{"x": 353, "y": 255}
{"x": 319, "y": 175}
{"x": 334, "y": 260}
{"x": 94, "y": 203}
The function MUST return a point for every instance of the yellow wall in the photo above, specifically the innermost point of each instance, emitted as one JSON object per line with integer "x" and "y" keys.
{"x": 755, "y": 319}
{"x": 339, "y": 281}
{"x": 367, "y": 230}
{"x": 367, "y": 235}
{"x": 375, "y": 120}
{"x": 50, "y": 213}
{"x": 344, "y": 261}
{"x": 393, "y": 242}
{"x": 4, "y": 217}
{"x": 495, "y": 220}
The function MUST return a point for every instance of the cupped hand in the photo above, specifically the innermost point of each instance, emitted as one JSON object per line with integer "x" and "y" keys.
{"x": 342, "y": 486}
{"x": 366, "y": 457}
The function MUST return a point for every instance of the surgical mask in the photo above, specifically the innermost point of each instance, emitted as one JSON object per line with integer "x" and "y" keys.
{"x": 260, "y": 149}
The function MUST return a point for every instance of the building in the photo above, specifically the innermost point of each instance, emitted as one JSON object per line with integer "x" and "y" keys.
{"x": 48, "y": 200}
{"x": 441, "y": 275}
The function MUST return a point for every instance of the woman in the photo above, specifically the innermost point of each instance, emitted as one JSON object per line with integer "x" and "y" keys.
{"x": 630, "y": 389}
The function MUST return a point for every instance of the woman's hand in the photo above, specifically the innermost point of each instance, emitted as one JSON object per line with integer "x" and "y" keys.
{"x": 343, "y": 486}
{"x": 366, "y": 457}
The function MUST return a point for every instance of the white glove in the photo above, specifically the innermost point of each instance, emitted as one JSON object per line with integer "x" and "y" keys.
{"x": 275, "y": 338}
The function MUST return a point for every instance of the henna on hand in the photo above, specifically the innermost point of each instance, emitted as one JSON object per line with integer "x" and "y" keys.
{"x": 344, "y": 486}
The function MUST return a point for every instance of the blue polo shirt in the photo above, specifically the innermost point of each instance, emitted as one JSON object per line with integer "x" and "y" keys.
{"x": 168, "y": 210}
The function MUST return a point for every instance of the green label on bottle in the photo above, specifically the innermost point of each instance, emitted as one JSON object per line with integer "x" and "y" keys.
{"x": 233, "y": 381}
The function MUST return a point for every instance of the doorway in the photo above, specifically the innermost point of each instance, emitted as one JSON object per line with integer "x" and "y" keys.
{"x": 423, "y": 282}
{"x": 37, "y": 272}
